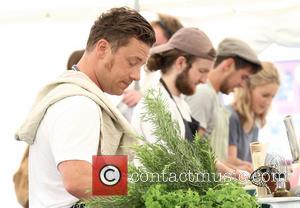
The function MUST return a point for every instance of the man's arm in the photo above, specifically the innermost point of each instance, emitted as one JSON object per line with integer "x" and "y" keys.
{"x": 234, "y": 139}
{"x": 74, "y": 140}
{"x": 233, "y": 159}
{"x": 77, "y": 177}
{"x": 232, "y": 172}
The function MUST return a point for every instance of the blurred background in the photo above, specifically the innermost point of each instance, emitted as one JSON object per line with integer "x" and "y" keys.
{"x": 37, "y": 37}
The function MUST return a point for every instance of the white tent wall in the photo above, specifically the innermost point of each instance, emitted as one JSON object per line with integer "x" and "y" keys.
{"x": 37, "y": 36}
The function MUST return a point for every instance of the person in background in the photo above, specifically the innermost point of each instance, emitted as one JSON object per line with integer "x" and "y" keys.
{"x": 184, "y": 61}
{"x": 164, "y": 29}
{"x": 74, "y": 58}
{"x": 72, "y": 119}
{"x": 248, "y": 113}
{"x": 234, "y": 63}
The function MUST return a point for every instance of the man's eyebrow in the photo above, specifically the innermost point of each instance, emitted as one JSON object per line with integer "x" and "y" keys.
{"x": 202, "y": 68}
{"x": 139, "y": 59}
{"x": 136, "y": 58}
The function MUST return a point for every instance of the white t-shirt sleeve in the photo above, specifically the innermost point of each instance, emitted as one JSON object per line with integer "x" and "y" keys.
{"x": 201, "y": 105}
{"x": 76, "y": 129}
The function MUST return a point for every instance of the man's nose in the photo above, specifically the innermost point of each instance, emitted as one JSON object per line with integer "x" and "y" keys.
{"x": 135, "y": 74}
{"x": 203, "y": 79}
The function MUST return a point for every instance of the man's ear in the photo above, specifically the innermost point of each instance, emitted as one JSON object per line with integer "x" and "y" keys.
{"x": 180, "y": 63}
{"x": 228, "y": 64}
{"x": 102, "y": 47}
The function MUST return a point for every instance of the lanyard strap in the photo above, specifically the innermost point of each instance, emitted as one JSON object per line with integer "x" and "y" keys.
{"x": 168, "y": 91}
{"x": 191, "y": 127}
{"x": 166, "y": 87}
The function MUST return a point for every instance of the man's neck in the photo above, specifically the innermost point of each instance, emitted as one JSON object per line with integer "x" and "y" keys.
{"x": 170, "y": 82}
{"x": 215, "y": 79}
{"x": 85, "y": 67}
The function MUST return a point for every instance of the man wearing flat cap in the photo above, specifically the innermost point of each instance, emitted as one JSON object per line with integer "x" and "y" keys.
{"x": 234, "y": 63}
{"x": 184, "y": 62}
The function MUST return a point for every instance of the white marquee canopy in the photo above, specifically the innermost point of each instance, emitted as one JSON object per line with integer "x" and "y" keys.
{"x": 260, "y": 22}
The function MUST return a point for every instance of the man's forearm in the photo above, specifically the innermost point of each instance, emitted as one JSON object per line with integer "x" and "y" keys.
{"x": 77, "y": 178}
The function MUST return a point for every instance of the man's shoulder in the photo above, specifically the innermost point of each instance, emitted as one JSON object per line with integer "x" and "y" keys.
{"x": 75, "y": 104}
{"x": 77, "y": 100}
{"x": 203, "y": 93}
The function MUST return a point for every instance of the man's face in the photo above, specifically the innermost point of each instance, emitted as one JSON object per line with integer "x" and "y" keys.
{"x": 122, "y": 66}
{"x": 235, "y": 78}
{"x": 187, "y": 80}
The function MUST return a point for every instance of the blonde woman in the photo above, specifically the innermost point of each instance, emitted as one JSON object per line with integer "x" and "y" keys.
{"x": 248, "y": 114}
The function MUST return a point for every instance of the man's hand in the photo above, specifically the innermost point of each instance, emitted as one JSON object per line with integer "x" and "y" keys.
{"x": 242, "y": 175}
{"x": 226, "y": 171}
{"x": 246, "y": 166}
{"x": 131, "y": 97}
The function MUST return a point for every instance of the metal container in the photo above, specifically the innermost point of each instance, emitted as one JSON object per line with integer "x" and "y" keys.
{"x": 294, "y": 146}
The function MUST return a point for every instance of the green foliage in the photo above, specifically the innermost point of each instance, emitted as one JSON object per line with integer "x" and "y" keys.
{"x": 172, "y": 154}
{"x": 134, "y": 199}
{"x": 158, "y": 196}
{"x": 228, "y": 195}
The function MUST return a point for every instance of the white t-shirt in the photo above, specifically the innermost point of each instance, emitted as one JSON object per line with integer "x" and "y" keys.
{"x": 69, "y": 131}
{"x": 208, "y": 109}
{"x": 146, "y": 128}
{"x": 204, "y": 104}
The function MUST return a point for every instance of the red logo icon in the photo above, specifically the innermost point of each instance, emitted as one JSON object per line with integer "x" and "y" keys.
{"x": 110, "y": 175}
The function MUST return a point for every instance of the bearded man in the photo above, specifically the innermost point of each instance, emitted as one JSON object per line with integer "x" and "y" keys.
{"x": 184, "y": 61}
{"x": 234, "y": 63}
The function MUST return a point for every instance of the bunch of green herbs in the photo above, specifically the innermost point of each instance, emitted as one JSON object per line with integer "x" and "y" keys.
{"x": 170, "y": 155}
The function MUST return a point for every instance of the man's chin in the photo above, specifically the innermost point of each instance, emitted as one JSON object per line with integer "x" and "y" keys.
{"x": 226, "y": 91}
{"x": 119, "y": 92}
{"x": 116, "y": 92}
{"x": 189, "y": 92}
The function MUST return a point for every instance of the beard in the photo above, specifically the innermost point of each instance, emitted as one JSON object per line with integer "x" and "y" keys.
{"x": 183, "y": 83}
{"x": 224, "y": 88}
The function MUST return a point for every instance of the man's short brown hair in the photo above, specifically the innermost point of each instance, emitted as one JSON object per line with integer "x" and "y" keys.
{"x": 118, "y": 25}
{"x": 240, "y": 63}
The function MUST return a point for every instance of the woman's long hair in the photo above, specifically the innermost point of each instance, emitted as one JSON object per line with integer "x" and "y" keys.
{"x": 242, "y": 96}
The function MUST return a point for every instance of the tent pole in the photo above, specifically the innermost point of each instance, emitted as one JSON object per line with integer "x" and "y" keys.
{"x": 137, "y": 5}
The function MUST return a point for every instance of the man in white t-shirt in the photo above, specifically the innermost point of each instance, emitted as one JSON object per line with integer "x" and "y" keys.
{"x": 235, "y": 62}
{"x": 71, "y": 129}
